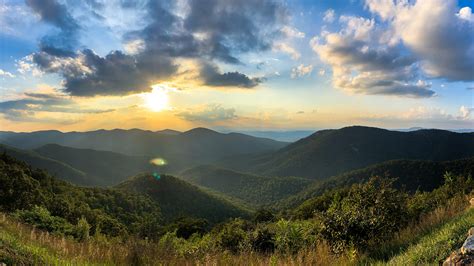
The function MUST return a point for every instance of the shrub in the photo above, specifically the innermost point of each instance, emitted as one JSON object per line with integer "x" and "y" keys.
{"x": 370, "y": 212}
{"x": 291, "y": 236}
{"x": 82, "y": 229}
{"x": 262, "y": 239}
{"x": 42, "y": 219}
{"x": 233, "y": 235}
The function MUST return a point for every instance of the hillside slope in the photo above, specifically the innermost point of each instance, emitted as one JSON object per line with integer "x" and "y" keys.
{"x": 181, "y": 150}
{"x": 56, "y": 168}
{"x": 411, "y": 174}
{"x": 178, "y": 198}
{"x": 104, "y": 168}
{"x": 330, "y": 152}
{"x": 255, "y": 190}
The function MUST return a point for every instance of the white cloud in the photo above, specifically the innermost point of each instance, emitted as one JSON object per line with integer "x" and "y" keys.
{"x": 364, "y": 61}
{"x": 134, "y": 46}
{"x": 329, "y": 15}
{"x": 286, "y": 48}
{"x": 25, "y": 65}
{"x": 292, "y": 32}
{"x": 465, "y": 112}
{"x": 466, "y": 13}
{"x": 449, "y": 33}
{"x": 301, "y": 71}
{"x": 322, "y": 72}
{"x": 6, "y": 74}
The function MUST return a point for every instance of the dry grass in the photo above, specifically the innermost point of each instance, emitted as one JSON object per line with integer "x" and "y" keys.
{"x": 50, "y": 249}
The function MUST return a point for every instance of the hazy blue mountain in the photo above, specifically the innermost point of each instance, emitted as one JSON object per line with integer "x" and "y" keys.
{"x": 180, "y": 150}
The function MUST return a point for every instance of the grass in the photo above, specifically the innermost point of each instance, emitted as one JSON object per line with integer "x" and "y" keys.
{"x": 436, "y": 246}
{"x": 427, "y": 242}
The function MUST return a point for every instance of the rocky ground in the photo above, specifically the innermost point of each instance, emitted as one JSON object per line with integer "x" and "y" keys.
{"x": 465, "y": 255}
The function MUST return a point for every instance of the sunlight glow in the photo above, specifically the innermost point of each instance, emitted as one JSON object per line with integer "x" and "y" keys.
{"x": 157, "y": 100}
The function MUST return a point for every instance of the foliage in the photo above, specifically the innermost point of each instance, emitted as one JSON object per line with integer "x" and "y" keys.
{"x": 178, "y": 198}
{"x": 370, "y": 212}
{"x": 252, "y": 189}
{"x": 59, "y": 205}
{"x": 42, "y": 219}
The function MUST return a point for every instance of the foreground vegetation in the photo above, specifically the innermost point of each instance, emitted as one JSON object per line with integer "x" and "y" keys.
{"x": 49, "y": 221}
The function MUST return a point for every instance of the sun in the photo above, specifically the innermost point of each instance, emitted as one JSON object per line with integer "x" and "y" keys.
{"x": 157, "y": 100}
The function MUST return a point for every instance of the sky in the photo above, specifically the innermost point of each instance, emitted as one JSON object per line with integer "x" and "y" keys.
{"x": 236, "y": 64}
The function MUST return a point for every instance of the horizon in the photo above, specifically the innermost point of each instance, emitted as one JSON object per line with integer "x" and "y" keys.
{"x": 246, "y": 65}
{"x": 243, "y": 131}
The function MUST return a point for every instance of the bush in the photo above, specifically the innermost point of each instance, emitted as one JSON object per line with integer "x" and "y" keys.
{"x": 185, "y": 227}
{"x": 262, "y": 239}
{"x": 232, "y": 236}
{"x": 82, "y": 229}
{"x": 291, "y": 236}
{"x": 371, "y": 212}
{"x": 42, "y": 219}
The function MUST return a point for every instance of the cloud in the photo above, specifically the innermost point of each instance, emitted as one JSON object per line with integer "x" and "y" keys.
{"x": 56, "y": 14}
{"x": 465, "y": 112}
{"x": 365, "y": 61}
{"x": 301, "y": 71}
{"x": 292, "y": 32}
{"x": 205, "y": 30}
{"x": 449, "y": 33}
{"x": 25, "y": 109}
{"x": 285, "y": 48}
{"x": 209, "y": 113}
{"x": 4, "y": 73}
{"x": 329, "y": 16}
{"x": 470, "y": 88}
{"x": 213, "y": 77}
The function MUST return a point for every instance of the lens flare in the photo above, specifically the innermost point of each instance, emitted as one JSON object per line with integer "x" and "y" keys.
{"x": 158, "y": 161}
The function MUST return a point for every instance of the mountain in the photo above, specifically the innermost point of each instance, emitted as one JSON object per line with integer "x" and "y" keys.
{"x": 178, "y": 198}
{"x": 252, "y": 189}
{"x": 58, "y": 169}
{"x": 287, "y": 136}
{"x": 331, "y": 152}
{"x": 104, "y": 168}
{"x": 54, "y": 204}
{"x": 180, "y": 150}
{"x": 411, "y": 175}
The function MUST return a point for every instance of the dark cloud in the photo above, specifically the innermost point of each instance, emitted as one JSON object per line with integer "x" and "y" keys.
{"x": 56, "y": 14}
{"x": 211, "y": 113}
{"x": 219, "y": 30}
{"x": 212, "y": 77}
{"x": 25, "y": 109}
{"x": 231, "y": 27}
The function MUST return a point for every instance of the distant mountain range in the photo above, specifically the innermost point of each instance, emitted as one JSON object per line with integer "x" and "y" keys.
{"x": 331, "y": 152}
{"x": 179, "y": 150}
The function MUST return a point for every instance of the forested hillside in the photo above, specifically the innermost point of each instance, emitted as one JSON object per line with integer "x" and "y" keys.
{"x": 253, "y": 189}
{"x": 410, "y": 175}
{"x": 330, "y": 152}
{"x": 102, "y": 167}
{"x": 178, "y": 198}
{"x": 180, "y": 150}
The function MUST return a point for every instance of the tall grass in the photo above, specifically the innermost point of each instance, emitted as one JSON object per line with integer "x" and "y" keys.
{"x": 43, "y": 248}
{"x": 425, "y": 242}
